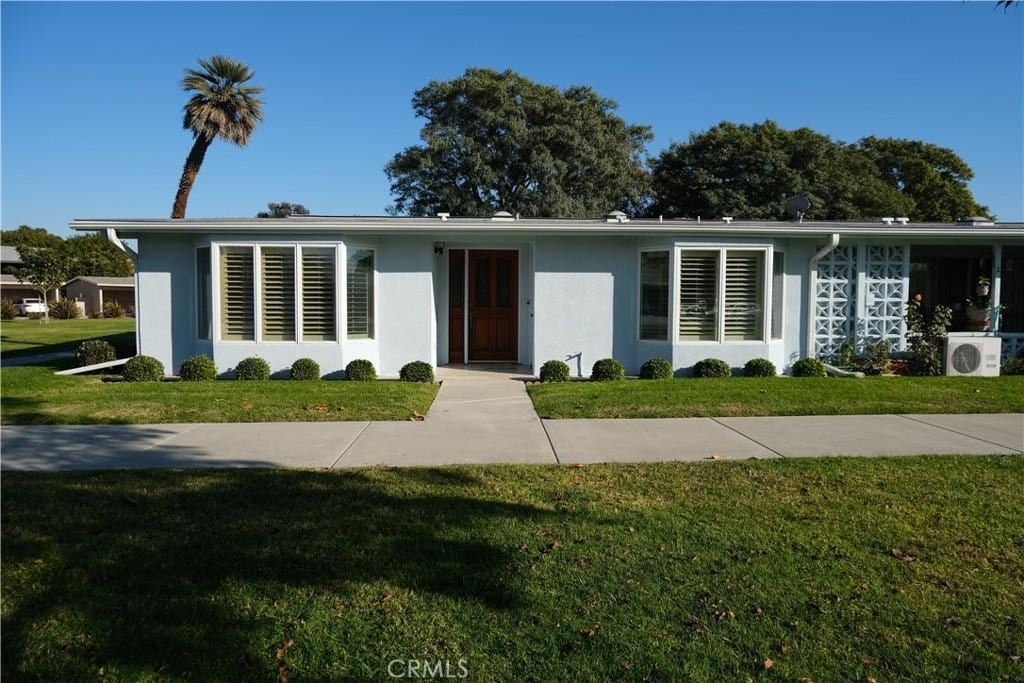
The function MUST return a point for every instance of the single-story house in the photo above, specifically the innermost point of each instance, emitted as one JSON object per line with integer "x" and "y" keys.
{"x": 510, "y": 290}
{"x": 95, "y": 291}
{"x": 10, "y": 288}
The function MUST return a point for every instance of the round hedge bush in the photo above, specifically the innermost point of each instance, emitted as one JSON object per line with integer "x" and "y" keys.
{"x": 1014, "y": 366}
{"x": 417, "y": 371}
{"x": 93, "y": 351}
{"x": 759, "y": 367}
{"x": 607, "y": 370}
{"x": 199, "y": 368}
{"x": 554, "y": 371}
{"x": 809, "y": 367}
{"x": 305, "y": 369}
{"x": 143, "y": 369}
{"x": 711, "y": 367}
{"x": 251, "y": 368}
{"x": 360, "y": 370}
{"x": 656, "y": 368}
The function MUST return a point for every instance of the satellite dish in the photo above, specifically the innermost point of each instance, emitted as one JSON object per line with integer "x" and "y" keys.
{"x": 797, "y": 207}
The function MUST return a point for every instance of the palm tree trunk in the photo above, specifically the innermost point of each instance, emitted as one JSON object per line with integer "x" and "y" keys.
{"x": 188, "y": 175}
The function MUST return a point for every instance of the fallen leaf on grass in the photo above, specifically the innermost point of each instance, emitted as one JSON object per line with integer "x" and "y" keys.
{"x": 320, "y": 407}
{"x": 870, "y": 661}
{"x": 417, "y": 416}
{"x": 900, "y": 555}
{"x": 283, "y": 650}
{"x": 248, "y": 406}
{"x": 768, "y": 663}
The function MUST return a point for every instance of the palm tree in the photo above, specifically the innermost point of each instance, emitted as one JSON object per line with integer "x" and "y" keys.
{"x": 221, "y": 106}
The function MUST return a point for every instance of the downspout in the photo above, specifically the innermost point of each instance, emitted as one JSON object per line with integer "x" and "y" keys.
{"x": 112, "y": 237}
{"x": 812, "y": 287}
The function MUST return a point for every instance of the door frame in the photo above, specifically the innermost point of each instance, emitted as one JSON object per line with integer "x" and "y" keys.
{"x": 466, "y": 249}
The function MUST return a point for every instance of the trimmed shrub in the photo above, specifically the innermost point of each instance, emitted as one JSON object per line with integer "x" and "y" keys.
{"x": 656, "y": 368}
{"x": 554, "y": 371}
{"x": 7, "y": 310}
{"x": 114, "y": 309}
{"x": 65, "y": 309}
{"x": 711, "y": 367}
{"x": 35, "y": 316}
{"x": 143, "y": 369}
{"x": 1014, "y": 366}
{"x": 93, "y": 351}
{"x": 360, "y": 370}
{"x": 759, "y": 367}
{"x": 607, "y": 370}
{"x": 305, "y": 369}
{"x": 251, "y": 368}
{"x": 809, "y": 367}
{"x": 199, "y": 368}
{"x": 417, "y": 371}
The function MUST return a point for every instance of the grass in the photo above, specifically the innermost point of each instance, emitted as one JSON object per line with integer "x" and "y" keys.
{"x": 742, "y": 396}
{"x": 837, "y": 569}
{"x": 34, "y": 395}
{"x": 29, "y": 337}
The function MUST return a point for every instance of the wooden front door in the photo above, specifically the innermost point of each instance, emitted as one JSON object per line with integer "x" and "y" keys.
{"x": 493, "y": 305}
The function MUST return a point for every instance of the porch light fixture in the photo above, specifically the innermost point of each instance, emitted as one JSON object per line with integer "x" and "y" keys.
{"x": 438, "y": 247}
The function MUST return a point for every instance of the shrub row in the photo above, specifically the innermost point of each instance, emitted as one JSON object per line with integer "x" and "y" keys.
{"x": 201, "y": 368}
{"x": 609, "y": 369}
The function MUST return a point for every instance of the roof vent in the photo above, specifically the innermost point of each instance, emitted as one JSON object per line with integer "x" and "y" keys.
{"x": 976, "y": 220}
{"x": 727, "y": 219}
{"x": 617, "y": 217}
{"x": 443, "y": 216}
{"x": 888, "y": 220}
{"x": 503, "y": 216}
{"x": 902, "y": 220}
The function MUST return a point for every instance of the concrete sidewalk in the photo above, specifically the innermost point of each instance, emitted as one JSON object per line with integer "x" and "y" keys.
{"x": 487, "y": 417}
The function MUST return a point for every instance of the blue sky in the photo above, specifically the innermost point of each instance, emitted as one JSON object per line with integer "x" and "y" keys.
{"x": 91, "y": 104}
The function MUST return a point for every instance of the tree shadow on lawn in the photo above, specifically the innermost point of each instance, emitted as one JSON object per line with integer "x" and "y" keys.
{"x": 155, "y": 571}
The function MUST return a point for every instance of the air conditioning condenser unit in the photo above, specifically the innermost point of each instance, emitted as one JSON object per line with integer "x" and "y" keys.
{"x": 973, "y": 356}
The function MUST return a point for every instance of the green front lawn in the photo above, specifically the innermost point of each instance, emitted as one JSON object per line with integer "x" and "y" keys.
{"x": 34, "y": 395}
{"x": 29, "y": 337}
{"x": 833, "y": 569}
{"x": 740, "y": 396}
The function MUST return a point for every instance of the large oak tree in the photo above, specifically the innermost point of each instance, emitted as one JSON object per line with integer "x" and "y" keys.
{"x": 498, "y": 141}
{"x": 750, "y": 171}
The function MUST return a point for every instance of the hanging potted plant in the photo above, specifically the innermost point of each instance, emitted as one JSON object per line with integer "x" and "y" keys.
{"x": 979, "y": 307}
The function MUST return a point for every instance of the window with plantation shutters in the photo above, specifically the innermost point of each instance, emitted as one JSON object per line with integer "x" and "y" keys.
{"x": 318, "y": 294}
{"x": 744, "y": 296}
{"x": 236, "y": 297}
{"x": 360, "y": 294}
{"x": 698, "y": 296}
{"x": 277, "y": 292}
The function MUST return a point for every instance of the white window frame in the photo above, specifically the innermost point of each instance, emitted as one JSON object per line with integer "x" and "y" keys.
{"x": 215, "y": 248}
{"x": 376, "y": 293}
{"x": 721, "y": 250}
{"x": 639, "y": 294}
{"x": 338, "y": 292}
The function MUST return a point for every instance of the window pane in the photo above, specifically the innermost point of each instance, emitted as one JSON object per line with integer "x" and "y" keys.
{"x": 204, "y": 296}
{"x": 778, "y": 272}
{"x": 1011, "y": 318}
{"x": 482, "y": 283}
{"x": 236, "y": 298}
{"x": 318, "y": 294}
{"x": 503, "y": 295}
{"x": 744, "y": 295}
{"x": 654, "y": 295}
{"x": 698, "y": 296}
{"x": 277, "y": 266}
{"x": 360, "y": 294}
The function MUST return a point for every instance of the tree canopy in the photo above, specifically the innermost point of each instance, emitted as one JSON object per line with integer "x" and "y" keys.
{"x": 85, "y": 254}
{"x": 44, "y": 268}
{"x": 750, "y": 171}
{"x": 282, "y": 210}
{"x": 498, "y": 141}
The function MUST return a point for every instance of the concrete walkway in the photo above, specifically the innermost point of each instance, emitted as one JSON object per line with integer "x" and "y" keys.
{"x": 487, "y": 417}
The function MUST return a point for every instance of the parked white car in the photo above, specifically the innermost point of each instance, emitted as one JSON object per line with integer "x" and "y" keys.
{"x": 27, "y": 306}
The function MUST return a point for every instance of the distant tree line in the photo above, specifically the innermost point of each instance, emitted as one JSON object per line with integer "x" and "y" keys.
{"x": 82, "y": 255}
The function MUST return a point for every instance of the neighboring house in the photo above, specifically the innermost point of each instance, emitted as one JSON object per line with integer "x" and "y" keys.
{"x": 451, "y": 290}
{"x": 10, "y": 288}
{"x": 94, "y": 292}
